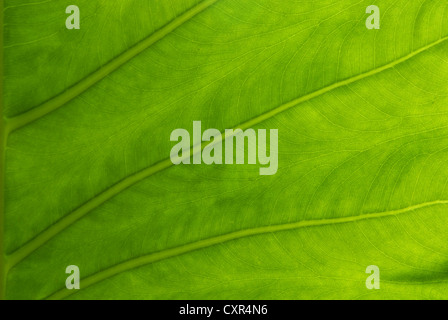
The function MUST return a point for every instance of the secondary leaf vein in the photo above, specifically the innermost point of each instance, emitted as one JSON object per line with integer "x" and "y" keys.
{"x": 173, "y": 252}
{"x": 60, "y": 100}
{"x": 21, "y": 253}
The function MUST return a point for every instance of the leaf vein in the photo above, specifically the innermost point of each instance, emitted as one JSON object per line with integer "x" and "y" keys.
{"x": 55, "y": 103}
{"x": 34, "y": 244}
{"x": 209, "y": 242}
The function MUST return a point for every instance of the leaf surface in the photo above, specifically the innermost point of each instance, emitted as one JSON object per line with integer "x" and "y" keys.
{"x": 362, "y": 117}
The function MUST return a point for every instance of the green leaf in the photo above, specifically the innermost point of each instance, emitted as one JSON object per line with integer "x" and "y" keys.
{"x": 362, "y": 117}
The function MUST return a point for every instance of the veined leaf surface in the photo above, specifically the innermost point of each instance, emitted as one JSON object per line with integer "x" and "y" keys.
{"x": 362, "y": 117}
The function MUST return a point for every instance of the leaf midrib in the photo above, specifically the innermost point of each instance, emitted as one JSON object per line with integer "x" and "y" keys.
{"x": 205, "y": 243}
{"x": 3, "y": 135}
{"x": 34, "y": 244}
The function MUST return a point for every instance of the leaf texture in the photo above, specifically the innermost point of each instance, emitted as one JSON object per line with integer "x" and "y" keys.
{"x": 362, "y": 117}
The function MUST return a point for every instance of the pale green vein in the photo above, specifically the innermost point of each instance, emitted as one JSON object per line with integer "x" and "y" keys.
{"x": 68, "y": 95}
{"x": 95, "y": 202}
{"x": 3, "y": 135}
{"x": 169, "y": 253}
{"x": 3, "y": 267}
